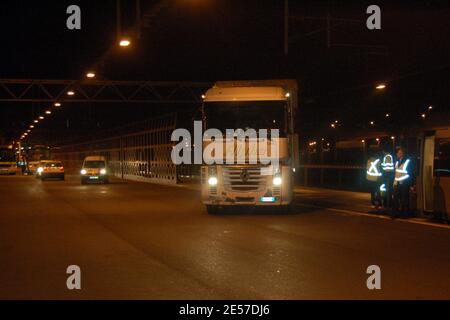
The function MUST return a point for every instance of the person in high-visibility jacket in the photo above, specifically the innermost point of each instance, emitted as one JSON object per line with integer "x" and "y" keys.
{"x": 373, "y": 175}
{"x": 403, "y": 181}
{"x": 387, "y": 180}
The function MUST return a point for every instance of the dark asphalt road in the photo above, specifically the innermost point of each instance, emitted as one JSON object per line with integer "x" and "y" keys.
{"x": 136, "y": 240}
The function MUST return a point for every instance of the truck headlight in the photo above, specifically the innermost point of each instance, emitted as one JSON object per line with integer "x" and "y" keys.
{"x": 277, "y": 181}
{"x": 103, "y": 171}
{"x": 83, "y": 171}
{"x": 212, "y": 181}
{"x": 40, "y": 169}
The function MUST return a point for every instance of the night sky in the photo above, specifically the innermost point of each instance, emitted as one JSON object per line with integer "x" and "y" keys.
{"x": 209, "y": 40}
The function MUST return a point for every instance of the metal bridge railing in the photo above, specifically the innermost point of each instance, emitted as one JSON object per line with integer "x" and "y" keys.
{"x": 141, "y": 155}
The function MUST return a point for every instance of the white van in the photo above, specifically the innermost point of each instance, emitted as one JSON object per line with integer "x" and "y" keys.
{"x": 94, "y": 169}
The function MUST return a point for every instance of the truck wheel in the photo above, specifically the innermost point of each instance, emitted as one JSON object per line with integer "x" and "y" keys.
{"x": 211, "y": 209}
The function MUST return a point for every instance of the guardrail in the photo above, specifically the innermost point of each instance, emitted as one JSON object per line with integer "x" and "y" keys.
{"x": 350, "y": 177}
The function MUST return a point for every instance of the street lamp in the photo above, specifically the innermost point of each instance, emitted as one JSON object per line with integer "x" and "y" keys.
{"x": 381, "y": 86}
{"x": 57, "y": 104}
{"x": 48, "y": 112}
{"x": 90, "y": 75}
{"x": 41, "y": 117}
{"x": 70, "y": 93}
{"x": 124, "y": 43}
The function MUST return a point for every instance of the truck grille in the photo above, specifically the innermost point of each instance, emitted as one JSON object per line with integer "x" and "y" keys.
{"x": 243, "y": 179}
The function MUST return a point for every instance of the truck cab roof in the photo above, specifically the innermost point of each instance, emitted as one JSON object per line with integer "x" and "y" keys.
{"x": 267, "y": 93}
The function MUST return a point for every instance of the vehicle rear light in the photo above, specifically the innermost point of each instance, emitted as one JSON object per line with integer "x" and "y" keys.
{"x": 61, "y": 168}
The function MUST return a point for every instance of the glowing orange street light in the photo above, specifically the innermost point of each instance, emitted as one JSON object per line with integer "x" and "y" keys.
{"x": 31, "y": 127}
{"x": 57, "y": 104}
{"x": 124, "y": 42}
{"x": 381, "y": 86}
{"x": 90, "y": 75}
{"x": 70, "y": 93}
{"x": 48, "y": 112}
{"x": 36, "y": 121}
{"x": 41, "y": 117}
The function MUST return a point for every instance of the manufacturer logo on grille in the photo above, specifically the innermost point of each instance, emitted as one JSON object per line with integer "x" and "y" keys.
{"x": 244, "y": 175}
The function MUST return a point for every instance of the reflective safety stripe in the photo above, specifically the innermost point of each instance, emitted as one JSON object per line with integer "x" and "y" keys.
{"x": 402, "y": 178}
{"x": 373, "y": 170}
{"x": 383, "y": 187}
{"x": 401, "y": 171}
{"x": 388, "y": 163}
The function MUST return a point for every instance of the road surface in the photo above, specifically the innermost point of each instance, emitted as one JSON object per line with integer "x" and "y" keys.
{"x": 140, "y": 241}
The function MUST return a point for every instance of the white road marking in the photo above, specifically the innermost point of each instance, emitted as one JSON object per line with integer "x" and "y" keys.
{"x": 358, "y": 213}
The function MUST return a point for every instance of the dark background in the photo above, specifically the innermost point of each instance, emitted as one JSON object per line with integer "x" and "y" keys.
{"x": 209, "y": 40}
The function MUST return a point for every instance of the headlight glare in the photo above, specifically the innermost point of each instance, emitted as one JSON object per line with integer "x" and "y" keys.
{"x": 83, "y": 171}
{"x": 103, "y": 171}
{"x": 277, "y": 181}
{"x": 212, "y": 181}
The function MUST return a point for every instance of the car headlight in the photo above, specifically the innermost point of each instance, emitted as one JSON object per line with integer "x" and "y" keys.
{"x": 83, "y": 171}
{"x": 40, "y": 169}
{"x": 277, "y": 181}
{"x": 212, "y": 181}
{"x": 103, "y": 171}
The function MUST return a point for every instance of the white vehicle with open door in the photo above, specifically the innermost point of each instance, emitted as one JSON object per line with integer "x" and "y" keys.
{"x": 433, "y": 183}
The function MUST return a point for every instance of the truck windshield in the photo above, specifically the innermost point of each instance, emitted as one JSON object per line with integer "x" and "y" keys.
{"x": 246, "y": 115}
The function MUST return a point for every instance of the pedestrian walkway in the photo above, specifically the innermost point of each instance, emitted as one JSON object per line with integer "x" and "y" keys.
{"x": 349, "y": 202}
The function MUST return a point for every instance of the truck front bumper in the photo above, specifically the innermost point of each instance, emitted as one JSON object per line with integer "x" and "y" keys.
{"x": 244, "y": 199}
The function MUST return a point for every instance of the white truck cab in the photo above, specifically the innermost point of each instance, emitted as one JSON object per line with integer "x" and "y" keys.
{"x": 246, "y": 105}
